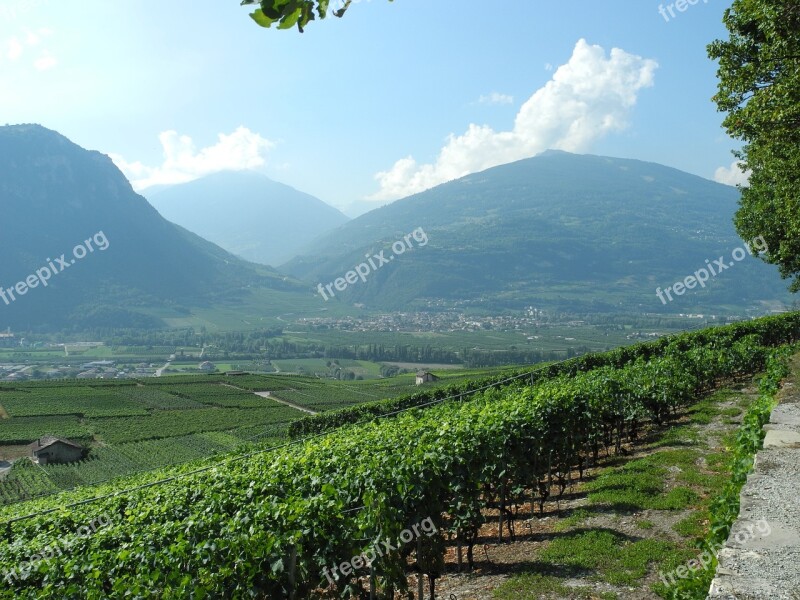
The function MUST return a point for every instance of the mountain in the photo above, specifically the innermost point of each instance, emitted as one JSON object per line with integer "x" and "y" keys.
{"x": 103, "y": 255}
{"x": 564, "y": 231}
{"x": 248, "y": 214}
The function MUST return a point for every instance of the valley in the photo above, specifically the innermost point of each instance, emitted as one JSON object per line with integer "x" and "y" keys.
{"x": 395, "y": 300}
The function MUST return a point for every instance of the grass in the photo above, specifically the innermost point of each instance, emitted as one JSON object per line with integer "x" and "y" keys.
{"x": 536, "y": 585}
{"x": 692, "y": 526}
{"x": 682, "y": 469}
{"x": 577, "y": 517}
{"x": 641, "y": 484}
{"x": 606, "y": 555}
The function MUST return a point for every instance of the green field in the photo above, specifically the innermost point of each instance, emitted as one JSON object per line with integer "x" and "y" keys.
{"x": 136, "y": 425}
{"x": 131, "y": 426}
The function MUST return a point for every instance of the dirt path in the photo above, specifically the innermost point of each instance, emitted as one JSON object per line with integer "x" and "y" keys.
{"x": 504, "y": 570}
{"x": 286, "y": 402}
{"x": 276, "y": 399}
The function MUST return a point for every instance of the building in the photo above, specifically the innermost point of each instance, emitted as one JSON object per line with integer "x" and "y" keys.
{"x": 208, "y": 367}
{"x": 7, "y": 339}
{"x": 51, "y": 449}
{"x": 425, "y": 377}
{"x": 102, "y": 364}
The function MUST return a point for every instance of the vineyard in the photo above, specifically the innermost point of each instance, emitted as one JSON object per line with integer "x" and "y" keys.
{"x": 131, "y": 427}
{"x": 169, "y": 412}
{"x": 268, "y": 525}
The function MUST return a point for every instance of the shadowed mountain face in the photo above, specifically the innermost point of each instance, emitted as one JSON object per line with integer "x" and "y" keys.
{"x": 55, "y": 197}
{"x": 248, "y": 214}
{"x": 574, "y": 232}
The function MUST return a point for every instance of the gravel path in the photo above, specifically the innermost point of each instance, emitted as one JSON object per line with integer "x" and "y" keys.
{"x": 761, "y": 559}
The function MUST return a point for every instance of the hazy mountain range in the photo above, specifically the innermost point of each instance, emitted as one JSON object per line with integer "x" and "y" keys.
{"x": 248, "y": 214}
{"x": 55, "y": 197}
{"x": 571, "y": 232}
{"x": 578, "y": 232}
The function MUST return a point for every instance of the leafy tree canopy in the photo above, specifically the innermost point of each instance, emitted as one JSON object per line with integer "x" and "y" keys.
{"x": 759, "y": 88}
{"x": 288, "y": 13}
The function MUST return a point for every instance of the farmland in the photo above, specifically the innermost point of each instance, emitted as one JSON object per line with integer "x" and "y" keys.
{"x": 494, "y": 456}
{"x": 138, "y": 425}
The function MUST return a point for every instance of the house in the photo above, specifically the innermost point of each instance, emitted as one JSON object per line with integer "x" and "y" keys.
{"x": 425, "y": 377}
{"x": 98, "y": 364}
{"x": 208, "y": 367}
{"x": 7, "y": 339}
{"x": 51, "y": 449}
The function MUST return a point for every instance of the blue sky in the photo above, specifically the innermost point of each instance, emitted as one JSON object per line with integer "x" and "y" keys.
{"x": 417, "y": 90}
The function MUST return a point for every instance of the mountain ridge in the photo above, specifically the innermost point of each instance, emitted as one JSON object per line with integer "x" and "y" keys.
{"x": 55, "y": 196}
{"x": 248, "y": 214}
{"x": 536, "y": 230}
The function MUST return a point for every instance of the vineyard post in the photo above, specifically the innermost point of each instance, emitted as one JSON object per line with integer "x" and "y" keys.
{"x": 459, "y": 549}
{"x": 371, "y": 581}
{"x": 420, "y": 582}
{"x": 501, "y": 507}
{"x": 292, "y": 572}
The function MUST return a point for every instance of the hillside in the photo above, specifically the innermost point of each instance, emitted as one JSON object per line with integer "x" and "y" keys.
{"x": 121, "y": 259}
{"x": 248, "y": 214}
{"x": 565, "y": 231}
{"x": 446, "y": 469}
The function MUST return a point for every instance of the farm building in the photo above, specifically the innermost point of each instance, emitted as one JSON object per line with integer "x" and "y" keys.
{"x": 208, "y": 367}
{"x": 425, "y": 377}
{"x": 51, "y": 449}
{"x": 7, "y": 339}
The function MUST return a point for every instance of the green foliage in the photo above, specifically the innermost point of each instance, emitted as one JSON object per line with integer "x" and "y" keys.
{"x": 769, "y": 331}
{"x": 288, "y": 13}
{"x": 759, "y": 81}
{"x": 231, "y": 531}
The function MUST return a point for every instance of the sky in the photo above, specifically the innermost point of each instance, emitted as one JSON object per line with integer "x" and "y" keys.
{"x": 394, "y": 98}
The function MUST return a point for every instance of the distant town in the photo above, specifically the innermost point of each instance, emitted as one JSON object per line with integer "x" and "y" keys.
{"x": 25, "y": 359}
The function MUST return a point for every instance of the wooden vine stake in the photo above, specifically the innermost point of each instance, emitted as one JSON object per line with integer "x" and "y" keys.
{"x": 293, "y": 573}
{"x": 420, "y": 582}
{"x": 371, "y": 582}
{"x": 459, "y": 550}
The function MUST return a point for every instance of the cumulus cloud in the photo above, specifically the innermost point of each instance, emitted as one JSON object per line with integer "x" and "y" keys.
{"x": 496, "y": 98}
{"x": 16, "y": 46}
{"x": 733, "y": 175}
{"x": 239, "y": 151}
{"x": 14, "y": 49}
{"x": 45, "y": 62}
{"x": 587, "y": 98}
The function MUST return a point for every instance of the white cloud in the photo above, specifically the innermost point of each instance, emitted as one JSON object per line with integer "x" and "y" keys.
{"x": 496, "y": 98}
{"x": 587, "y": 98}
{"x": 14, "y": 49}
{"x": 239, "y": 151}
{"x": 45, "y": 61}
{"x": 733, "y": 175}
